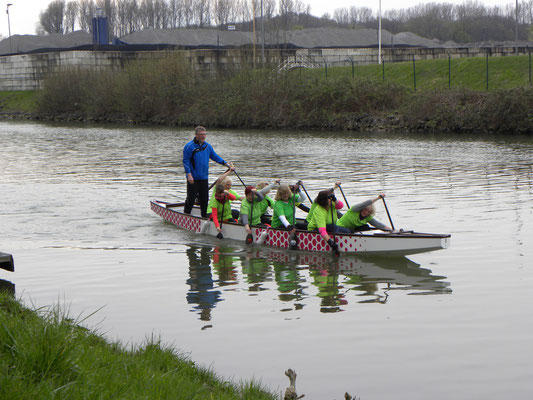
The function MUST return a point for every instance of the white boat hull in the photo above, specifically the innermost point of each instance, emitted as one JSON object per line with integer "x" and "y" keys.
{"x": 393, "y": 243}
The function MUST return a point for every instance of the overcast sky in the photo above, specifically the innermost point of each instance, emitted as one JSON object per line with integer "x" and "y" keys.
{"x": 24, "y": 14}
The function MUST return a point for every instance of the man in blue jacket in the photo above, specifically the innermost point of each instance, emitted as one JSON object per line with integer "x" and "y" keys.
{"x": 196, "y": 155}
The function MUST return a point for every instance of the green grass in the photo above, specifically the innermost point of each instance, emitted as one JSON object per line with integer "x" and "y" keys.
{"x": 23, "y": 101}
{"x": 467, "y": 73}
{"x": 168, "y": 91}
{"x": 46, "y": 355}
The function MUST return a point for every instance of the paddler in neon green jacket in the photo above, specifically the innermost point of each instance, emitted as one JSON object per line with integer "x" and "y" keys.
{"x": 225, "y": 180}
{"x": 266, "y": 203}
{"x": 303, "y": 225}
{"x": 359, "y": 216}
{"x": 252, "y": 206}
{"x": 324, "y": 217}
{"x": 284, "y": 207}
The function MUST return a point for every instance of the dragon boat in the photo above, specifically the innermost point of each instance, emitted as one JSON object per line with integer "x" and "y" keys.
{"x": 397, "y": 243}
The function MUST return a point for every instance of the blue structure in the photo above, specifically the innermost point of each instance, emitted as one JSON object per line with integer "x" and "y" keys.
{"x": 100, "y": 30}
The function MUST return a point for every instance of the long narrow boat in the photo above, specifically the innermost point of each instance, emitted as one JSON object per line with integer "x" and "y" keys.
{"x": 403, "y": 243}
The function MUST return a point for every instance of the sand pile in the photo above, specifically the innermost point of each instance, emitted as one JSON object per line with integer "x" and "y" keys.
{"x": 194, "y": 38}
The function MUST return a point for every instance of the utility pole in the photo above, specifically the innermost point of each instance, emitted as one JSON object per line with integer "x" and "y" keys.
{"x": 262, "y": 36}
{"x": 379, "y": 32}
{"x": 9, "y": 27}
{"x": 253, "y": 29}
{"x": 516, "y": 28}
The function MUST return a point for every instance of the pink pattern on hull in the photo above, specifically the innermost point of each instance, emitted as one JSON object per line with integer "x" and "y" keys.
{"x": 309, "y": 241}
{"x": 183, "y": 221}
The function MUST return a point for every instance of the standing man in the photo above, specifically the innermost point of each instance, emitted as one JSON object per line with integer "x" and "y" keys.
{"x": 196, "y": 155}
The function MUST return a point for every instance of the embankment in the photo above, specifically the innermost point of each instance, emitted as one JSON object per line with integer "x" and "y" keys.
{"x": 168, "y": 92}
{"x": 46, "y": 355}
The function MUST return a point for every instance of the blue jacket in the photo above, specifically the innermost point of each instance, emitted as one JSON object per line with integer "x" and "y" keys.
{"x": 196, "y": 159}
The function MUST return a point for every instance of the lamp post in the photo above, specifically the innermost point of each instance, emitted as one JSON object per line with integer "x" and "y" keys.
{"x": 262, "y": 36}
{"x": 9, "y": 26}
{"x": 379, "y": 33}
{"x": 516, "y": 27}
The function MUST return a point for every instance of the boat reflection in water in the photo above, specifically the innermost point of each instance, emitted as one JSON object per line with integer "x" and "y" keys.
{"x": 297, "y": 277}
{"x": 203, "y": 292}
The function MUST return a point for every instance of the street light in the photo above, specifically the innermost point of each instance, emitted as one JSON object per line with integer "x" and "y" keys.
{"x": 516, "y": 27}
{"x": 262, "y": 36}
{"x": 379, "y": 32}
{"x": 9, "y": 27}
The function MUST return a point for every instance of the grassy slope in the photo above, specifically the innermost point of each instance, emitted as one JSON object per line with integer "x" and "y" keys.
{"x": 469, "y": 73}
{"x": 167, "y": 92}
{"x": 45, "y": 355}
{"x": 22, "y": 101}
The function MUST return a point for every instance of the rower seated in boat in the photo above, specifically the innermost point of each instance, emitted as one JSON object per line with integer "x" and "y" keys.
{"x": 251, "y": 207}
{"x": 303, "y": 224}
{"x": 360, "y": 215}
{"x": 225, "y": 180}
{"x": 284, "y": 213}
{"x": 220, "y": 206}
{"x": 268, "y": 202}
{"x": 324, "y": 217}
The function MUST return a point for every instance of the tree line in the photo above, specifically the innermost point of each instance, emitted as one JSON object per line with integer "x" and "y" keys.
{"x": 471, "y": 21}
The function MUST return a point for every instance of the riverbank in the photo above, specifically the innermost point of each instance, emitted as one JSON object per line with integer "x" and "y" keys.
{"x": 168, "y": 92}
{"x": 47, "y": 354}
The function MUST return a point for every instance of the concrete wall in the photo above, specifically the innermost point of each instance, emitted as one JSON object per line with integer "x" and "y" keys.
{"x": 27, "y": 71}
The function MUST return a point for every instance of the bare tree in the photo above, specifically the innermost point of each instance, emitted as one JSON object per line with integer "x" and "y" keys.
{"x": 51, "y": 19}
{"x": 121, "y": 21}
{"x": 202, "y": 12}
{"x": 188, "y": 15}
{"x": 365, "y": 15}
{"x": 85, "y": 14}
{"x": 286, "y": 12}
{"x": 221, "y": 10}
{"x": 175, "y": 8}
{"x": 146, "y": 14}
{"x": 342, "y": 16}
{"x": 161, "y": 14}
{"x": 269, "y": 9}
{"x": 233, "y": 13}
{"x": 71, "y": 13}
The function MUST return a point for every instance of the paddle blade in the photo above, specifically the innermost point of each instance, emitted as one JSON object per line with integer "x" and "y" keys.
{"x": 249, "y": 239}
{"x": 293, "y": 242}
{"x": 220, "y": 235}
{"x": 263, "y": 237}
{"x": 205, "y": 227}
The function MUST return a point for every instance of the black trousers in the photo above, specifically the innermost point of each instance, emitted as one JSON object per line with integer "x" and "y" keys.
{"x": 200, "y": 189}
{"x": 362, "y": 228}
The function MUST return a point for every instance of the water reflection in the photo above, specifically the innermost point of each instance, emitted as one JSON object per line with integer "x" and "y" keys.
{"x": 299, "y": 278}
{"x": 202, "y": 293}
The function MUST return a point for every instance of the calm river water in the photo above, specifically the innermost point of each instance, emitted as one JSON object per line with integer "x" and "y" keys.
{"x": 450, "y": 324}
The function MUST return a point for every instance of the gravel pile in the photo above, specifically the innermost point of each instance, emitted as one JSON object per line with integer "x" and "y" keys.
{"x": 305, "y": 38}
{"x": 27, "y": 43}
{"x": 194, "y": 38}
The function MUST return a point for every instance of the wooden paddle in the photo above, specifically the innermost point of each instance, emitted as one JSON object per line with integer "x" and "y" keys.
{"x": 307, "y": 194}
{"x": 293, "y": 241}
{"x": 335, "y": 250}
{"x": 250, "y": 236}
{"x": 220, "y": 235}
{"x": 386, "y": 209}
{"x": 214, "y": 183}
{"x": 345, "y": 199}
{"x": 235, "y": 171}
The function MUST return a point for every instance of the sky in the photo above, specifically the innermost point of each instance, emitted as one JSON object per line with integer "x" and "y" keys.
{"x": 24, "y": 14}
